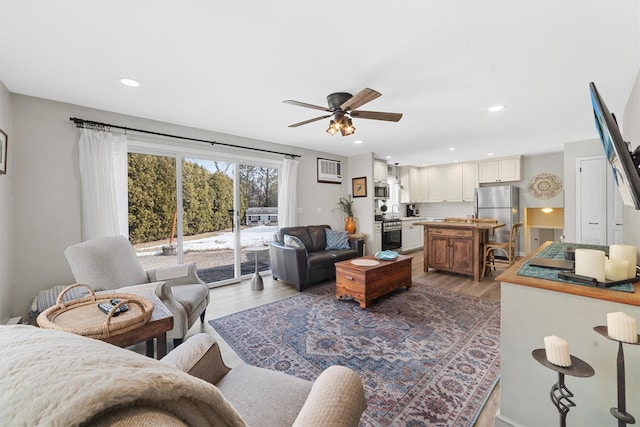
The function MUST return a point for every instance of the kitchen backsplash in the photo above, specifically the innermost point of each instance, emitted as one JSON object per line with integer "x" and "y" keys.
{"x": 446, "y": 209}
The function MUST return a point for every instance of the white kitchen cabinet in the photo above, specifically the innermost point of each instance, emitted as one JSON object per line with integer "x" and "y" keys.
{"x": 379, "y": 170}
{"x": 453, "y": 183}
{"x": 436, "y": 184}
{"x": 500, "y": 170}
{"x": 469, "y": 181}
{"x": 413, "y": 182}
{"x": 421, "y": 187}
{"x": 445, "y": 183}
{"x": 412, "y": 235}
{"x": 405, "y": 187}
{"x": 377, "y": 237}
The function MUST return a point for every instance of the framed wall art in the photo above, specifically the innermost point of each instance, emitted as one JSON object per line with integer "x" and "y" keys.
{"x": 4, "y": 142}
{"x": 359, "y": 187}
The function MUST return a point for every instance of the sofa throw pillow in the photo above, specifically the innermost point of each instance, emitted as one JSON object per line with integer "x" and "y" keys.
{"x": 293, "y": 241}
{"x": 337, "y": 239}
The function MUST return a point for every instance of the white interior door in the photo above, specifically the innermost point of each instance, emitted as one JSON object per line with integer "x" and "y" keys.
{"x": 591, "y": 200}
{"x": 615, "y": 209}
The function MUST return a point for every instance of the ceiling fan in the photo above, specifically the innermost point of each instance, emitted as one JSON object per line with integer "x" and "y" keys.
{"x": 342, "y": 107}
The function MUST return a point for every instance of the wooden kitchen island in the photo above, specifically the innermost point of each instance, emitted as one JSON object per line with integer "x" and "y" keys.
{"x": 456, "y": 246}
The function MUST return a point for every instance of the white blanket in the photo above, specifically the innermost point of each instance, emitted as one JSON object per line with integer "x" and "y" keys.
{"x": 53, "y": 378}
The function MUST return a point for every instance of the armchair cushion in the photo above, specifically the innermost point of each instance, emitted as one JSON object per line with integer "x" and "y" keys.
{"x": 318, "y": 236}
{"x": 105, "y": 263}
{"x": 252, "y": 390}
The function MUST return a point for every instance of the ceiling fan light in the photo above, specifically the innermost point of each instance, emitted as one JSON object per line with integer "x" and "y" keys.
{"x": 333, "y": 128}
{"x": 347, "y": 128}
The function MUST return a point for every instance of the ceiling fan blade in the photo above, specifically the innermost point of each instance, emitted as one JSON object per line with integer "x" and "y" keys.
{"x": 360, "y": 98}
{"x": 376, "y": 115}
{"x": 304, "y": 104}
{"x": 295, "y": 125}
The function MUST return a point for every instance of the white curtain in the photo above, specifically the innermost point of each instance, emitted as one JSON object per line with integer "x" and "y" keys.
{"x": 287, "y": 195}
{"x": 103, "y": 173}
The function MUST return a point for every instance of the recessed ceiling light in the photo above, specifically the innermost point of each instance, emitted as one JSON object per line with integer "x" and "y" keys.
{"x": 490, "y": 154}
{"x": 452, "y": 148}
{"x": 496, "y": 108}
{"x": 388, "y": 157}
{"x": 456, "y": 161}
{"x": 130, "y": 82}
{"x": 357, "y": 141}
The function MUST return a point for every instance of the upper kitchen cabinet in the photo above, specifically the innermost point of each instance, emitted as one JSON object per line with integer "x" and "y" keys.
{"x": 379, "y": 170}
{"x": 445, "y": 183}
{"x": 469, "y": 181}
{"x": 413, "y": 184}
{"x": 500, "y": 170}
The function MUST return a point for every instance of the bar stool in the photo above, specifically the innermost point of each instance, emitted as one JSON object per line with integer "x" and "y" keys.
{"x": 509, "y": 249}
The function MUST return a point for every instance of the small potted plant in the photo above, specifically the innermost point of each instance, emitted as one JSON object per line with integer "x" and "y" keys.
{"x": 345, "y": 204}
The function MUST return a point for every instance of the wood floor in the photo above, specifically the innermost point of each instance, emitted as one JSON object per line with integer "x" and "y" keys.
{"x": 233, "y": 298}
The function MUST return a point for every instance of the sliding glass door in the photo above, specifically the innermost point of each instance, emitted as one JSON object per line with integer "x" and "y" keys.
{"x": 224, "y": 207}
{"x": 258, "y": 214}
{"x": 209, "y": 230}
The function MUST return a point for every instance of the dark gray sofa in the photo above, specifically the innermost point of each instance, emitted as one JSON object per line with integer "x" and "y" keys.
{"x": 311, "y": 264}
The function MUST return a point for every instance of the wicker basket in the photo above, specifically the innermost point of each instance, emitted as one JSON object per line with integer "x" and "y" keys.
{"x": 83, "y": 317}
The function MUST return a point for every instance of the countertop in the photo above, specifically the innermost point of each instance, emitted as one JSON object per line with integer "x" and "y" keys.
{"x": 461, "y": 225}
{"x": 511, "y": 276}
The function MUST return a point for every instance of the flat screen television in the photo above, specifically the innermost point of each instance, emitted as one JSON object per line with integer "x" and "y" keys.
{"x": 623, "y": 162}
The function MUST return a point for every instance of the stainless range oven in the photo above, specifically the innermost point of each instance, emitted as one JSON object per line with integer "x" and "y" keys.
{"x": 391, "y": 234}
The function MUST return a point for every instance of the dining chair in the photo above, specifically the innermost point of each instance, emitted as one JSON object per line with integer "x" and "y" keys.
{"x": 506, "y": 248}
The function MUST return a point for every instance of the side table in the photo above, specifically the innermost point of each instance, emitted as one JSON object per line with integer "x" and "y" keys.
{"x": 256, "y": 280}
{"x": 360, "y": 237}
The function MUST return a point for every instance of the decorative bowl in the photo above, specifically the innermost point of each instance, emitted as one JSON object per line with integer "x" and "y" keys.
{"x": 386, "y": 255}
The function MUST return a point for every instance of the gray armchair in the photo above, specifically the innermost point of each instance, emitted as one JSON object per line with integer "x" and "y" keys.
{"x": 109, "y": 263}
{"x": 105, "y": 385}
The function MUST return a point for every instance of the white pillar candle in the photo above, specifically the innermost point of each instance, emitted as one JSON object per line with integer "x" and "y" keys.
{"x": 622, "y": 327}
{"x": 616, "y": 269}
{"x": 625, "y": 252}
{"x": 590, "y": 263}
{"x": 557, "y": 351}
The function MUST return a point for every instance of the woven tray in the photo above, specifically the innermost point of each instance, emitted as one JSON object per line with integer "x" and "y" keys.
{"x": 83, "y": 317}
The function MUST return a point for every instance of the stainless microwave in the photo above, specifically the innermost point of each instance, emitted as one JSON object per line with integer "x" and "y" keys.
{"x": 381, "y": 190}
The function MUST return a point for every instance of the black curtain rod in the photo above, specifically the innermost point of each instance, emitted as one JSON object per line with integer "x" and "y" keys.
{"x": 81, "y": 123}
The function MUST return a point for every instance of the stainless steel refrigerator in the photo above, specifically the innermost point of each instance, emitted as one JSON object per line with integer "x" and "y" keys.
{"x": 499, "y": 203}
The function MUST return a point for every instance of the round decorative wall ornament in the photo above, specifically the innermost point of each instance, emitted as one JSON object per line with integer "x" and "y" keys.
{"x": 545, "y": 186}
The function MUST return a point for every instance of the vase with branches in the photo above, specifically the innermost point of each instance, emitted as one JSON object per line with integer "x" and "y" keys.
{"x": 345, "y": 204}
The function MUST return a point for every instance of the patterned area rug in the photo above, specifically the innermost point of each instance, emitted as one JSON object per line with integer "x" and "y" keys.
{"x": 427, "y": 357}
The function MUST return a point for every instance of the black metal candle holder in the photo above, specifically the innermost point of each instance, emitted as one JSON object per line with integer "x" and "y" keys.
{"x": 560, "y": 394}
{"x": 620, "y": 412}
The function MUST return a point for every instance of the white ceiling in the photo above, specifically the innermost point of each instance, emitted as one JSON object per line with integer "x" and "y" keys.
{"x": 227, "y": 67}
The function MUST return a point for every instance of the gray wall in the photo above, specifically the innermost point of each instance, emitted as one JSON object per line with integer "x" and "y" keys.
{"x": 359, "y": 166}
{"x": 6, "y": 211}
{"x": 46, "y": 188}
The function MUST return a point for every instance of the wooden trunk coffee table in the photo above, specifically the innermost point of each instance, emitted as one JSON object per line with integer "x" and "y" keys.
{"x": 367, "y": 278}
